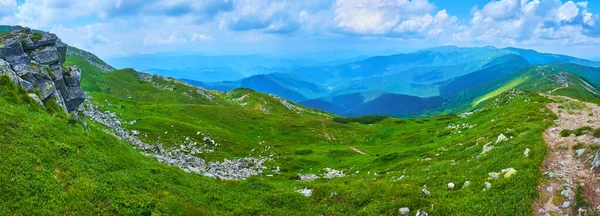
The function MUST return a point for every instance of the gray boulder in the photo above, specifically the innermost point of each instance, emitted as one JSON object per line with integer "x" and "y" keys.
{"x": 62, "y": 51}
{"x": 48, "y": 39}
{"x": 422, "y": 213}
{"x": 46, "y": 56}
{"x": 6, "y": 69}
{"x": 11, "y": 50}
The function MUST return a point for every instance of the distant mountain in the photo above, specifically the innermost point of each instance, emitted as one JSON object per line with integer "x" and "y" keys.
{"x": 535, "y": 57}
{"x": 289, "y": 86}
{"x": 431, "y": 81}
{"x": 204, "y": 74}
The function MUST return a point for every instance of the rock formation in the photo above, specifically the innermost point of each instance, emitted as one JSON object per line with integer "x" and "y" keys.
{"x": 34, "y": 60}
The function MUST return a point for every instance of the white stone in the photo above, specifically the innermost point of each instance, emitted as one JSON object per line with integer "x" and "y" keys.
{"x": 404, "y": 211}
{"x": 451, "y": 186}
{"x": 306, "y": 192}
{"x": 466, "y": 184}
{"x": 501, "y": 138}
{"x": 526, "y": 152}
{"x": 426, "y": 192}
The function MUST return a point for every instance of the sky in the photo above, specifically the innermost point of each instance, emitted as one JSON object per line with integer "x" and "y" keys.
{"x": 114, "y": 28}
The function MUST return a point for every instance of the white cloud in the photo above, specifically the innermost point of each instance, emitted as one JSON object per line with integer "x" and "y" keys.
{"x": 395, "y": 18}
{"x": 532, "y": 21}
{"x": 567, "y": 11}
{"x": 201, "y": 37}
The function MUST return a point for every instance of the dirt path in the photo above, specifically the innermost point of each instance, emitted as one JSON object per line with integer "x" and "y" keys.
{"x": 569, "y": 175}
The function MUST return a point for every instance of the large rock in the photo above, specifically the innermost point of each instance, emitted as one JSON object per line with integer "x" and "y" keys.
{"x": 45, "y": 56}
{"x": 11, "y": 50}
{"x": 34, "y": 61}
{"x": 5, "y": 69}
{"x": 75, "y": 95}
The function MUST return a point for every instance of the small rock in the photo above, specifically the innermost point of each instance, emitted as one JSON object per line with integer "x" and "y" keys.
{"x": 306, "y": 192}
{"x": 526, "y": 152}
{"x": 494, "y": 175}
{"x": 509, "y": 172}
{"x": 579, "y": 152}
{"x": 487, "y": 147}
{"x": 566, "y": 204}
{"x": 596, "y": 162}
{"x": 487, "y": 185}
{"x": 426, "y": 192}
{"x": 422, "y": 213}
{"x": 501, "y": 138}
{"x": 451, "y": 186}
{"x": 404, "y": 211}
{"x": 466, "y": 184}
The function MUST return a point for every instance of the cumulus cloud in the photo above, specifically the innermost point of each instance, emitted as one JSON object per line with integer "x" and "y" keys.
{"x": 149, "y": 24}
{"x": 395, "y": 18}
{"x": 529, "y": 21}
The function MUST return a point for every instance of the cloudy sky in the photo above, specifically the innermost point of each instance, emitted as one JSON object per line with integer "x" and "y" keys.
{"x": 113, "y": 28}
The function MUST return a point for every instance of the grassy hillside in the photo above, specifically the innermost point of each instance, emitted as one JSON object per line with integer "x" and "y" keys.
{"x": 107, "y": 175}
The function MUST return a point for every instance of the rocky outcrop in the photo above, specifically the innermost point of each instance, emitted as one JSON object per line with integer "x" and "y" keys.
{"x": 34, "y": 61}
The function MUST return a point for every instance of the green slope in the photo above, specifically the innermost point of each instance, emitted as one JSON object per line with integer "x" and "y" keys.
{"x": 310, "y": 141}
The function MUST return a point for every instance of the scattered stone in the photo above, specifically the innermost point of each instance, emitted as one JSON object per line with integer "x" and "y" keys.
{"x": 487, "y": 147}
{"x": 426, "y": 192}
{"x": 307, "y": 177}
{"x": 494, "y": 175}
{"x": 183, "y": 155}
{"x": 501, "y": 138}
{"x": 306, "y": 192}
{"x": 568, "y": 193}
{"x": 566, "y": 204}
{"x": 596, "y": 162}
{"x": 527, "y": 152}
{"x": 451, "y": 186}
{"x": 404, "y": 211}
{"x": 579, "y": 152}
{"x": 466, "y": 184}
{"x": 509, "y": 172}
{"x": 487, "y": 185}
{"x": 422, "y": 213}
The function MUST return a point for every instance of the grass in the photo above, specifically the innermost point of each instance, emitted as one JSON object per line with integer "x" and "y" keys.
{"x": 52, "y": 165}
{"x": 306, "y": 143}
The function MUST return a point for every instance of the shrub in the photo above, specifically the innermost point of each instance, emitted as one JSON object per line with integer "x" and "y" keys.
{"x": 566, "y": 133}
{"x": 582, "y": 130}
{"x": 362, "y": 120}
{"x": 596, "y": 133}
{"x": 36, "y": 36}
{"x": 304, "y": 152}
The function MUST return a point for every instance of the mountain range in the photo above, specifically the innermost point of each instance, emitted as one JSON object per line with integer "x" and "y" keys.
{"x": 426, "y": 82}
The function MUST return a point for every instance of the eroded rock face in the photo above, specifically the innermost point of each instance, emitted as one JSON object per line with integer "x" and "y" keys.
{"x": 34, "y": 61}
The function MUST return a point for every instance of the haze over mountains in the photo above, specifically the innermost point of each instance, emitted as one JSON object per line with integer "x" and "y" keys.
{"x": 429, "y": 81}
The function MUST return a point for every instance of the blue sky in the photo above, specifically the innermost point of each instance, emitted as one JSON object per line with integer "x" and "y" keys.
{"x": 112, "y": 28}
